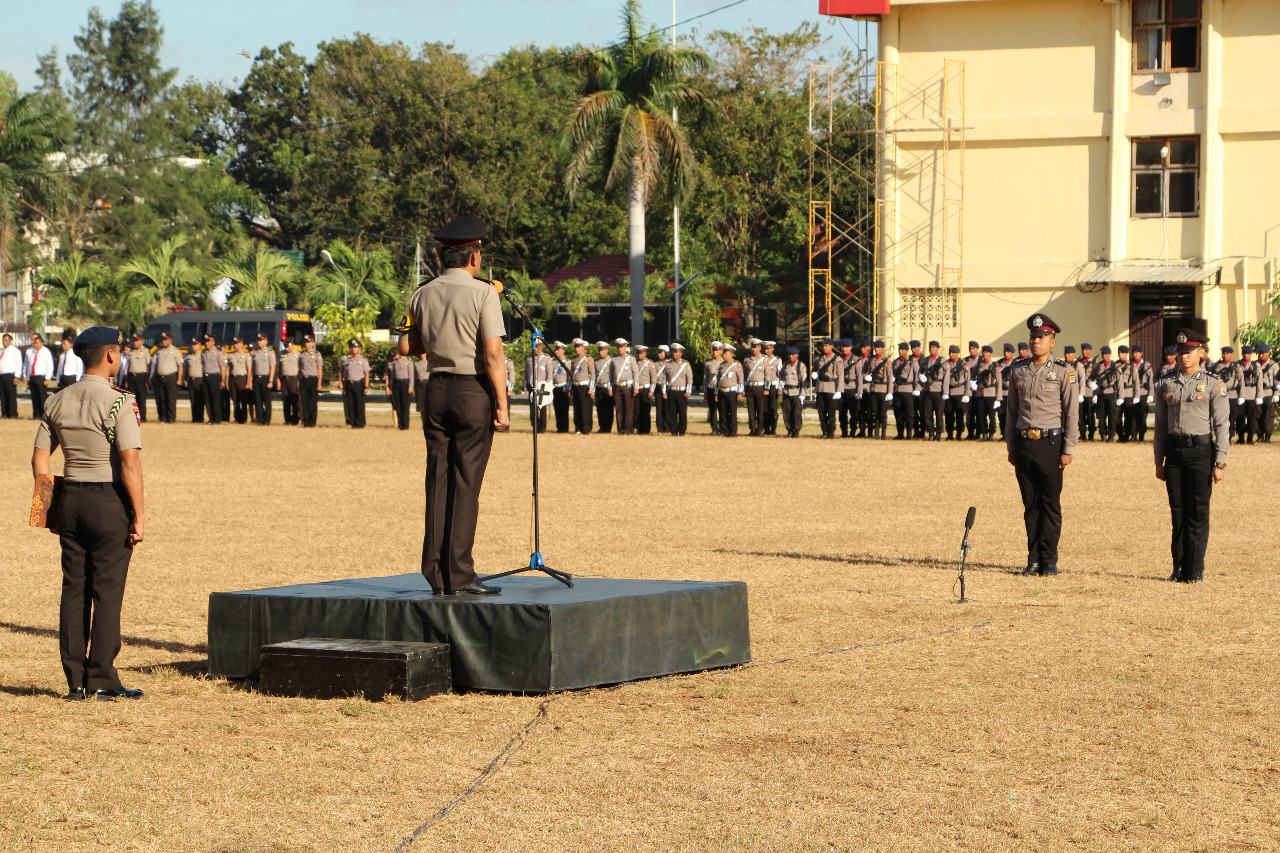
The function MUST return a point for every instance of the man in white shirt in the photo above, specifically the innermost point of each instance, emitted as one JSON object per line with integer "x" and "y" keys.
{"x": 37, "y": 370}
{"x": 70, "y": 365}
{"x": 10, "y": 373}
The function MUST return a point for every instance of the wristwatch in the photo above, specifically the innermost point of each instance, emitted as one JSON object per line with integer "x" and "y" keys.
{"x": 1221, "y": 465}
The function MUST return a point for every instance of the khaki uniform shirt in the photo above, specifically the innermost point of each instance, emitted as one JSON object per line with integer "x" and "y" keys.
{"x": 354, "y": 369}
{"x": 931, "y": 370}
{"x": 422, "y": 371}
{"x": 263, "y": 360}
{"x": 1250, "y": 381}
{"x": 139, "y": 360}
{"x": 241, "y": 363}
{"x": 988, "y": 379}
{"x": 602, "y": 373}
{"x": 511, "y": 374}
{"x": 1270, "y": 377}
{"x": 773, "y": 371}
{"x": 646, "y": 374}
{"x": 213, "y": 360}
{"x": 400, "y": 368}
{"x": 679, "y": 377}
{"x": 755, "y": 368}
{"x": 195, "y": 365}
{"x": 289, "y": 362}
{"x": 537, "y": 368}
{"x": 310, "y": 363}
{"x": 881, "y": 370}
{"x": 167, "y": 361}
{"x": 730, "y": 377}
{"x": 77, "y": 418}
{"x": 1044, "y": 397}
{"x": 1107, "y": 376}
{"x": 1144, "y": 382}
{"x": 828, "y": 374}
{"x": 453, "y": 315}
{"x": 955, "y": 376}
{"x": 709, "y": 371}
{"x": 906, "y": 374}
{"x": 1166, "y": 369}
{"x": 623, "y": 371}
{"x": 584, "y": 370}
{"x": 1192, "y": 405}
{"x": 793, "y": 377}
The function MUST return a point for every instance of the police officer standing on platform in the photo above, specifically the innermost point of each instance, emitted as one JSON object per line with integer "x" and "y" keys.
{"x": 772, "y": 390}
{"x": 456, "y": 321}
{"x": 99, "y": 517}
{"x": 166, "y": 373}
{"x": 311, "y": 371}
{"x": 793, "y": 376}
{"x": 676, "y": 389}
{"x": 560, "y": 389}
{"x": 623, "y": 373}
{"x": 828, "y": 387}
{"x": 138, "y": 370}
{"x": 583, "y": 368}
{"x": 263, "y": 361}
{"x": 353, "y": 377}
{"x": 710, "y": 371}
{"x": 1042, "y": 427}
{"x": 730, "y": 381}
{"x": 399, "y": 379}
{"x": 193, "y": 377}
{"x": 1191, "y": 446}
{"x": 287, "y": 382}
{"x": 906, "y": 388}
{"x": 215, "y": 378}
{"x": 603, "y": 388}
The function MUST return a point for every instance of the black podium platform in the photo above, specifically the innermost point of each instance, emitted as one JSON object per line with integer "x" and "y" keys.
{"x": 537, "y": 636}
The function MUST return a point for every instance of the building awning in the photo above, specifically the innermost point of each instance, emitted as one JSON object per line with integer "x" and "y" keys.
{"x": 1162, "y": 274}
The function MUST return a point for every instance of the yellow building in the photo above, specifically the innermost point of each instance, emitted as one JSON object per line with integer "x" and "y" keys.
{"x": 1113, "y": 163}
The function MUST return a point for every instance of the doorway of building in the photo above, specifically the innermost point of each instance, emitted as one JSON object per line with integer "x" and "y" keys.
{"x": 1155, "y": 313}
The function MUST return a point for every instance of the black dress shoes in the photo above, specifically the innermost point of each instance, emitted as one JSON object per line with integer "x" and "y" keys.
{"x": 480, "y": 588}
{"x": 1051, "y": 569}
{"x": 1031, "y": 569}
{"x": 75, "y": 694}
{"x": 111, "y": 694}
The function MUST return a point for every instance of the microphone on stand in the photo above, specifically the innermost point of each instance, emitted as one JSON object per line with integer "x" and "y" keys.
{"x": 964, "y": 550}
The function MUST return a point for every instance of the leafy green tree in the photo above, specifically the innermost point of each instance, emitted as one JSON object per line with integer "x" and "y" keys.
{"x": 27, "y": 136}
{"x": 153, "y": 283}
{"x": 260, "y": 280}
{"x": 72, "y": 289}
{"x": 575, "y": 295}
{"x": 363, "y": 278}
{"x": 630, "y": 91}
{"x": 343, "y": 324}
{"x": 700, "y": 322}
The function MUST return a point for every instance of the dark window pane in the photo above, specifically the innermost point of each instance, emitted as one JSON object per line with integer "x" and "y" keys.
{"x": 189, "y": 331}
{"x": 1147, "y": 153}
{"x": 1148, "y": 11}
{"x": 1184, "y": 47}
{"x": 1146, "y": 199}
{"x": 1185, "y": 10}
{"x": 1182, "y": 192}
{"x": 1146, "y": 46}
{"x": 1182, "y": 152}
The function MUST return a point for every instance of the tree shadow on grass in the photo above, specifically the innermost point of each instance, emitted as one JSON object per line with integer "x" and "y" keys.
{"x": 924, "y": 563}
{"x": 197, "y": 669}
{"x": 29, "y": 690}
{"x": 161, "y": 645}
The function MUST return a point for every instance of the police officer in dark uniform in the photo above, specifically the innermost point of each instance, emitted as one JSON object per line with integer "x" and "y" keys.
{"x": 99, "y": 515}
{"x": 1191, "y": 442}
{"x": 1042, "y": 427}
{"x": 456, "y": 321}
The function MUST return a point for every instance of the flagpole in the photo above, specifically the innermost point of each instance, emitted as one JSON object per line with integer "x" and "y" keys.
{"x": 675, "y": 214}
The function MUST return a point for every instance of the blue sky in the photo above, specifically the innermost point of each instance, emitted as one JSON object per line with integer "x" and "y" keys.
{"x": 203, "y": 40}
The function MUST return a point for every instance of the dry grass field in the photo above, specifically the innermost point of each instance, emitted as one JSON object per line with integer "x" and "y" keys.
{"x": 1102, "y": 710}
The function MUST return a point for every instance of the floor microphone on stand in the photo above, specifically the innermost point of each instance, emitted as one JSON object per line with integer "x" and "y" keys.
{"x": 964, "y": 550}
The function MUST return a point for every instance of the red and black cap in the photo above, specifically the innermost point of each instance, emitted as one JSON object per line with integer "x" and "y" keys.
{"x": 1188, "y": 339}
{"x": 166, "y": 335}
{"x": 1040, "y": 325}
{"x": 463, "y": 231}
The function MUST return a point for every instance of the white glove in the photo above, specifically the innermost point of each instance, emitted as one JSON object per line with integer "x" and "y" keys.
{"x": 1095, "y": 399}
{"x": 857, "y": 396}
{"x": 835, "y": 396}
{"x": 964, "y": 399}
{"x": 1081, "y": 398}
{"x": 1151, "y": 399}
{"x": 1093, "y": 386}
{"x": 915, "y": 393}
{"x": 888, "y": 398}
{"x": 973, "y": 385}
{"x": 801, "y": 401}
{"x": 1240, "y": 401}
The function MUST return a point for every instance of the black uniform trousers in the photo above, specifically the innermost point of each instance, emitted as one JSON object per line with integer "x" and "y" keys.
{"x": 213, "y": 397}
{"x": 195, "y": 396}
{"x": 867, "y": 411}
{"x": 932, "y": 405}
{"x": 1267, "y": 420}
{"x": 604, "y": 410}
{"x": 1088, "y": 418}
{"x": 677, "y": 406}
{"x": 904, "y": 413}
{"x": 227, "y": 396}
{"x": 8, "y": 396}
{"x": 713, "y": 413}
{"x": 242, "y": 397}
{"x": 400, "y": 401}
{"x": 308, "y": 396}
{"x": 624, "y": 410}
{"x": 166, "y": 388}
{"x": 1188, "y": 478}
{"x": 850, "y": 414}
{"x": 538, "y": 415}
{"x": 1108, "y": 413}
{"x": 879, "y": 412}
{"x": 954, "y": 414}
{"x": 986, "y": 415}
{"x": 793, "y": 413}
{"x": 644, "y": 413}
{"x": 826, "y": 403}
{"x": 1246, "y": 419}
{"x": 136, "y": 384}
{"x": 289, "y": 398}
{"x": 728, "y": 402}
{"x": 1036, "y": 464}
{"x": 660, "y": 411}
{"x": 38, "y": 394}
{"x": 261, "y": 400}
{"x": 771, "y": 412}
{"x": 1138, "y": 419}
{"x": 458, "y": 423}
{"x": 582, "y": 409}
{"x": 755, "y": 409}
{"x": 93, "y": 529}
{"x": 353, "y": 396}
{"x": 560, "y": 403}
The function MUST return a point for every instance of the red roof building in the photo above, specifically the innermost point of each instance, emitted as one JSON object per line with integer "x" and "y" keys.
{"x": 610, "y": 269}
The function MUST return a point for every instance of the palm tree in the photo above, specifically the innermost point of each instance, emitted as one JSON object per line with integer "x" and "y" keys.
{"x": 72, "y": 289}
{"x": 159, "y": 280}
{"x": 576, "y": 294}
{"x": 260, "y": 281}
{"x": 27, "y": 137}
{"x": 364, "y": 278}
{"x": 631, "y": 90}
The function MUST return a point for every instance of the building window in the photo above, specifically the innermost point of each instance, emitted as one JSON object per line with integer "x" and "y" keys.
{"x": 1166, "y": 35}
{"x": 1166, "y": 177}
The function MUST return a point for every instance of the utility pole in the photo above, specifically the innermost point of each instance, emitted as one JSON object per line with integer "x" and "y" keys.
{"x": 675, "y": 214}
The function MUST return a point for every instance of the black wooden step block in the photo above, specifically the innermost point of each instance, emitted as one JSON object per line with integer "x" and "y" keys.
{"x": 326, "y": 668}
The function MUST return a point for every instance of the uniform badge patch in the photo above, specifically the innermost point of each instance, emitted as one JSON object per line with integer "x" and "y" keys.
{"x": 1200, "y": 387}
{"x": 1071, "y": 376}
{"x": 1199, "y": 396}
{"x": 1168, "y": 397}
{"x": 1052, "y": 376}
{"x": 1224, "y": 390}
{"x": 136, "y": 413}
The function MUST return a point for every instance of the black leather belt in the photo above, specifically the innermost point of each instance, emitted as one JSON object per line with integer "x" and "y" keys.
{"x": 1190, "y": 440}
{"x": 1035, "y": 434}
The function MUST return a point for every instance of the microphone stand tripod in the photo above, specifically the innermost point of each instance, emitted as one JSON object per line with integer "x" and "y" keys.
{"x": 964, "y": 554}
{"x": 536, "y": 563}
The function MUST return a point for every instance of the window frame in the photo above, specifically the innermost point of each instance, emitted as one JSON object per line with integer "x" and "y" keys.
{"x": 1164, "y": 170}
{"x": 1165, "y": 26}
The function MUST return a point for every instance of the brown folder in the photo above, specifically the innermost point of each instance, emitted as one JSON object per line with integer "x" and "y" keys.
{"x": 44, "y": 501}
